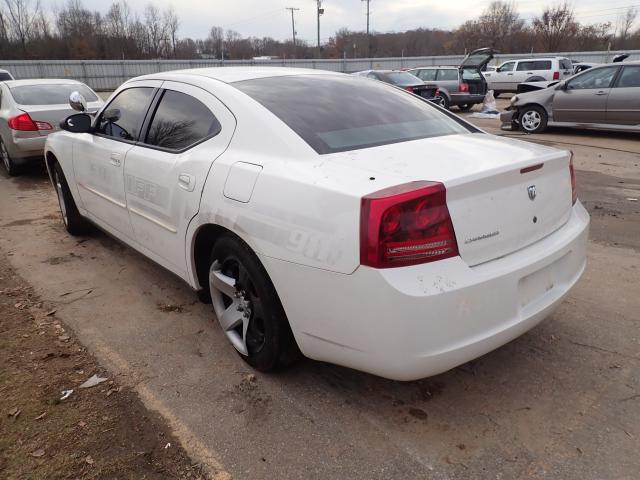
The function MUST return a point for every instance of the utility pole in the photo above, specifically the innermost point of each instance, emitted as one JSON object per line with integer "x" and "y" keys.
{"x": 293, "y": 27}
{"x": 320, "y": 11}
{"x": 368, "y": 37}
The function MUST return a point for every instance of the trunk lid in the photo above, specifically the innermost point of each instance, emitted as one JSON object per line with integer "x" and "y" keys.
{"x": 478, "y": 59}
{"x": 424, "y": 91}
{"x": 496, "y": 207}
{"x": 53, "y": 114}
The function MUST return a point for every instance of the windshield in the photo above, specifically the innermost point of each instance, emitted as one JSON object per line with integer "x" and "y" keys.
{"x": 403, "y": 78}
{"x": 335, "y": 113}
{"x": 50, "y": 94}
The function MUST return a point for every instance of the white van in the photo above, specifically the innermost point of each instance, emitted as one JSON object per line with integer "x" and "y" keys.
{"x": 508, "y": 75}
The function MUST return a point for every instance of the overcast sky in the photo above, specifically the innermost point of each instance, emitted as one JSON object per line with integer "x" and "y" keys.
{"x": 269, "y": 17}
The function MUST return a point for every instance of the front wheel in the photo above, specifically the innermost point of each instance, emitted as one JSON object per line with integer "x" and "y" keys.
{"x": 247, "y": 306}
{"x": 7, "y": 161}
{"x": 75, "y": 223}
{"x": 533, "y": 119}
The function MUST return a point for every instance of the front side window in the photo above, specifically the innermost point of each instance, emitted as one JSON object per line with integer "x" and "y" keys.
{"x": 630, "y": 77}
{"x": 335, "y": 113}
{"x": 50, "y": 94}
{"x": 593, "y": 78}
{"x": 447, "y": 75}
{"x": 5, "y": 76}
{"x": 122, "y": 118}
{"x": 507, "y": 67}
{"x": 181, "y": 121}
{"x": 426, "y": 75}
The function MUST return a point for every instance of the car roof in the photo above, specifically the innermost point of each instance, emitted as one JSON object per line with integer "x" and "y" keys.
{"x": 238, "y": 74}
{"x": 41, "y": 81}
{"x": 435, "y": 66}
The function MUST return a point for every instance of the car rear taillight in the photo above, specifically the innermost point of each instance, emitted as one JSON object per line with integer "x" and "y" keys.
{"x": 24, "y": 123}
{"x": 574, "y": 189}
{"x": 464, "y": 87}
{"x": 406, "y": 225}
{"x": 556, "y": 75}
{"x": 409, "y": 89}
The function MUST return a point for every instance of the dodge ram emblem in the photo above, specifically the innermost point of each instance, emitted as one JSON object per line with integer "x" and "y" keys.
{"x": 532, "y": 192}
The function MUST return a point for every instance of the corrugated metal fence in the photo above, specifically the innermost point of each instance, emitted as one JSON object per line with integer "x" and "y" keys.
{"x": 109, "y": 74}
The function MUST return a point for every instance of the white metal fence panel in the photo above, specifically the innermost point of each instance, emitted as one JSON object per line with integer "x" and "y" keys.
{"x": 109, "y": 74}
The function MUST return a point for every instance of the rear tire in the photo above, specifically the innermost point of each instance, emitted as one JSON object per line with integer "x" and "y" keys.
{"x": 75, "y": 223}
{"x": 248, "y": 308}
{"x": 12, "y": 169}
{"x": 442, "y": 100}
{"x": 532, "y": 119}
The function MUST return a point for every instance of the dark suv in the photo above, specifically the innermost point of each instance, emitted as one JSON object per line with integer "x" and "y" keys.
{"x": 462, "y": 86}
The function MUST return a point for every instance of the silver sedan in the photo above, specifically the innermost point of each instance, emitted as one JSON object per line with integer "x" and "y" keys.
{"x": 29, "y": 111}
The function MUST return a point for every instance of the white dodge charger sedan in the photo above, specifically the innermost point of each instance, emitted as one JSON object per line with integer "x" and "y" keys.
{"x": 328, "y": 214}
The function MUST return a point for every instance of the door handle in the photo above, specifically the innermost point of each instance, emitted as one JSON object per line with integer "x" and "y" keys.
{"x": 601, "y": 93}
{"x": 115, "y": 159}
{"x": 187, "y": 182}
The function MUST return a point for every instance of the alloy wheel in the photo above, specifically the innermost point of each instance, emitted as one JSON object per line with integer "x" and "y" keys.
{"x": 237, "y": 305}
{"x": 531, "y": 120}
{"x": 59, "y": 192}
{"x": 5, "y": 156}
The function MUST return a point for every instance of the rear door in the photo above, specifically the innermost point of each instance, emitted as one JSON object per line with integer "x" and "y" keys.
{"x": 448, "y": 78}
{"x": 98, "y": 157}
{"x": 584, "y": 97}
{"x": 623, "y": 102}
{"x": 187, "y": 129}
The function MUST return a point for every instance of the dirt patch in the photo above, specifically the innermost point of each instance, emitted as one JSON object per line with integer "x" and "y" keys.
{"x": 98, "y": 432}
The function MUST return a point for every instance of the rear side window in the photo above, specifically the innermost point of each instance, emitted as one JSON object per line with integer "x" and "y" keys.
{"x": 51, "y": 94}
{"x": 181, "y": 121}
{"x": 534, "y": 65}
{"x": 630, "y": 77}
{"x": 447, "y": 75}
{"x": 426, "y": 75}
{"x": 335, "y": 113}
{"x": 122, "y": 118}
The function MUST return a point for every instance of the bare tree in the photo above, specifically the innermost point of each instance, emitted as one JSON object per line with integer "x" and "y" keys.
{"x": 172, "y": 23}
{"x": 556, "y": 27}
{"x": 156, "y": 30}
{"x": 22, "y": 20}
{"x": 624, "y": 26}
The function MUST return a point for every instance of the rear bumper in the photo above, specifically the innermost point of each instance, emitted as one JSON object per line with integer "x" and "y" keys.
{"x": 26, "y": 147}
{"x": 465, "y": 98}
{"x": 413, "y": 322}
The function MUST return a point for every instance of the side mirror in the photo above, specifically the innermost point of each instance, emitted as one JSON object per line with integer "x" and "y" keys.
{"x": 77, "y": 123}
{"x": 561, "y": 86}
{"x": 78, "y": 102}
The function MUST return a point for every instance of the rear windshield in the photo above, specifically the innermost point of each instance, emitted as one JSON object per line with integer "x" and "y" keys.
{"x": 5, "y": 76}
{"x": 51, "y": 94}
{"x": 335, "y": 113}
{"x": 402, "y": 78}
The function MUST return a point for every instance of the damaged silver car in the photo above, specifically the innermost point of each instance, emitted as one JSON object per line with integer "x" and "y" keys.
{"x": 605, "y": 97}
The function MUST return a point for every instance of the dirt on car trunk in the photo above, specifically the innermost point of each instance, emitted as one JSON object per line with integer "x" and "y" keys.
{"x": 102, "y": 431}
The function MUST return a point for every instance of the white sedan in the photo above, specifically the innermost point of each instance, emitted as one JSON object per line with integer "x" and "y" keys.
{"x": 327, "y": 214}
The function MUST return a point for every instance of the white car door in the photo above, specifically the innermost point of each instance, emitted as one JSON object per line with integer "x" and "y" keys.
{"x": 186, "y": 130}
{"x": 501, "y": 78}
{"x": 98, "y": 157}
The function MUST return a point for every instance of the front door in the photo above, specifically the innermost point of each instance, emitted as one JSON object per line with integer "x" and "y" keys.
{"x": 98, "y": 158}
{"x": 165, "y": 173}
{"x": 623, "y": 104}
{"x": 502, "y": 78}
{"x": 583, "y": 99}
